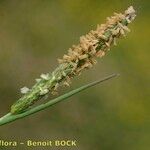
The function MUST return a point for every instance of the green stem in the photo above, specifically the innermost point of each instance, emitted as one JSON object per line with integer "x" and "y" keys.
{"x": 12, "y": 117}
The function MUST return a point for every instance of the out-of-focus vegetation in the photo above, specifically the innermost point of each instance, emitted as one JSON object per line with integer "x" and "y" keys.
{"x": 115, "y": 115}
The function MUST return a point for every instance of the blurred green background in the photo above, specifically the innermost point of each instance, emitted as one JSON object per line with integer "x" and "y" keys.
{"x": 114, "y": 115}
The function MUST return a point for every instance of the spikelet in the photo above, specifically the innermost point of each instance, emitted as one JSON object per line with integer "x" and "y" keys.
{"x": 79, "y": 57}
{"x": 97, "y": 43}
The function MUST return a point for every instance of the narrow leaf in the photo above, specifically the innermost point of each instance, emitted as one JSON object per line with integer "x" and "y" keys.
{"x": 12, "y": 117}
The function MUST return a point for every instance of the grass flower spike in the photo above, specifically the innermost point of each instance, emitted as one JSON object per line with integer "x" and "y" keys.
{"x": 82, "y": 56}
